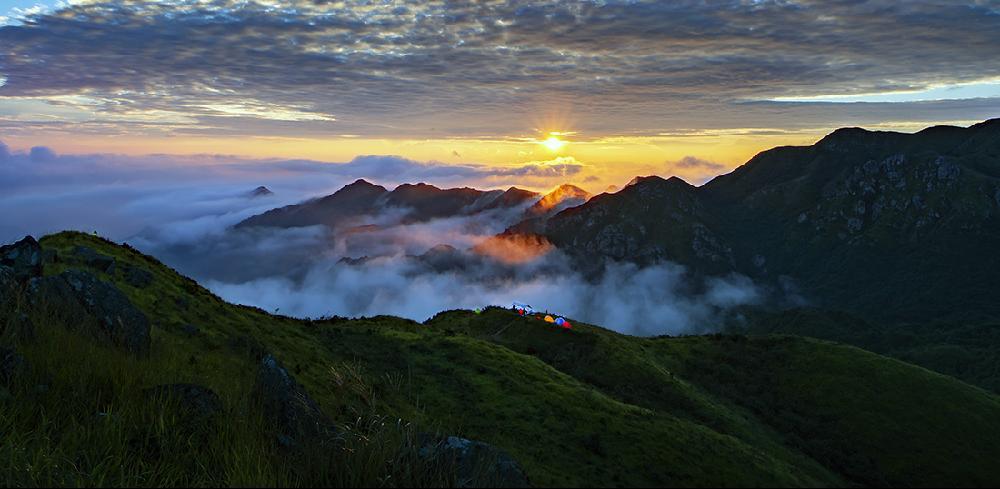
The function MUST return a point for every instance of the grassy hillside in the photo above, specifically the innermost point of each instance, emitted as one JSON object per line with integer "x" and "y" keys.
{"x": 580, "y": 407}
{"x": 967, "y": 351}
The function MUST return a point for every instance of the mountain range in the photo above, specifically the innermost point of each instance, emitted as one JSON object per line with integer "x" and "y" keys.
{"x": 891, "y": 226}
{"x": 898, "y": 227}
{"x": 417, "y": 203}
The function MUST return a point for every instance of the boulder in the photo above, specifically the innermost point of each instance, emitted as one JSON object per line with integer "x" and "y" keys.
{"x": 286, "y": 404}
{"x": 138, "y": 277}
{"x": 24, "y": 258}
{"x": 79, "y": 294}
{"x": 198, "y": 404}
{"x": 95, "y": 260}
{"x": 476, "y": 464}
{"x": 12, "y": 364}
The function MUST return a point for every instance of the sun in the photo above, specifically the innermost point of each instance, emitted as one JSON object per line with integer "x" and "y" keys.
{"x": 554, "y": 143}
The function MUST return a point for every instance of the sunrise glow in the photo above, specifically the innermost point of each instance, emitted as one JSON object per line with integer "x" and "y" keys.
{"x": 554, "y": 143}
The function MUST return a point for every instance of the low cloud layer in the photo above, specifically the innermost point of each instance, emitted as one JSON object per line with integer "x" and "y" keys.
{"x": 43, "y": 192}
{"x": 418, "y": 270}
{"x": 182, "y": 210}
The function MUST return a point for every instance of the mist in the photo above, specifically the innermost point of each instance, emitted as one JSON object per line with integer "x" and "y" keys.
{"x": 182, "y": 211}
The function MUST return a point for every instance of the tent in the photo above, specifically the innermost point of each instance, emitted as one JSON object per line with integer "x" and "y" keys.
{"x": 549, "y": 319}
{"x": 522, "y": 308}
{"x": 560, "y": 321}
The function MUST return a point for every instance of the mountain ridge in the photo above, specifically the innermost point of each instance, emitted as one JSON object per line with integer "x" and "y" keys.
{"x": 885, "y": 207}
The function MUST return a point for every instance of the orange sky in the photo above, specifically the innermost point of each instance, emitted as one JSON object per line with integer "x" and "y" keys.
{"x": 608, "y": 161}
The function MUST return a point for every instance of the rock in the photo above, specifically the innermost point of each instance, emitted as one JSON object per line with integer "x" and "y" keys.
{"x": 476, "y": 464}
{"x": 24, "y": 258}
{"x": 198, "y": 404}
{"x": 285, "y": 402}
{"x": 79, "y": 294}
{"x": 54, "y": 294}
{"x": 94, "y": 259}
{"x": 138, "y": 277}
{"x": 12, "y": 364}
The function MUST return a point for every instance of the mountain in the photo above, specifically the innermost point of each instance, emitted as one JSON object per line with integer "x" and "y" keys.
{"x": 341, "y": 207}
{"x": 420, "y": 202}
{"x": 511, "y": 198}
{"x": 533, "y": 221}
{"x": 261, "y": 191}
{"x": 185, "y": 389}
{"x": 563, "y": 197}
{"x": 892, "y": 226}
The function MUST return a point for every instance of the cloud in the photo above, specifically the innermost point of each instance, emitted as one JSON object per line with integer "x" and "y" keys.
{"x": 698, "y": 163}
{"x": 376, "y": 69}
{"x": 418, "y": 270}
{"x": 695, "y": 170}
{"x": 182, "y": 210}
{"x": 41, "y": 192}
{"x": 41, "y": 154}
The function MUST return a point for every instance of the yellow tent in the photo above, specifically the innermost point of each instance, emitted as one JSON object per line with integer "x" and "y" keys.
{"x": 549, "y": 319}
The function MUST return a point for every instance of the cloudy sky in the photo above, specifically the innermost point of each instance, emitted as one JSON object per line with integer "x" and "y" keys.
{"x": 631, "y": 87}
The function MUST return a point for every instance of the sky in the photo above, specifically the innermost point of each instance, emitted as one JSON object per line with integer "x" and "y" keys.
{"x": 692, "y": 89}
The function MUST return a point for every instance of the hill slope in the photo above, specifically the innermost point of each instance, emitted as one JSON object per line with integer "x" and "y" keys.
{"x": 575, "y": 407}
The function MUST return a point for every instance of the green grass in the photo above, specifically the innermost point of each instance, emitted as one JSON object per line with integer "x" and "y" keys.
{"x": 583, "y": 407}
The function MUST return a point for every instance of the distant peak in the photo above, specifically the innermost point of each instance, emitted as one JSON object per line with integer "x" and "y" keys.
{"x": 261, "y": 191}
{"x": 361, "y": 182}
{"x": 678, "y": 181}
{"x": 637, "y": 180}
{"x": 442, "y": 248}
{"x": 515, "y": 190}
{"x": 844, "y": 134}
{"x": 359, "y": 187}
{"x": 570, "y": 187}
{"x": 567, "y": 190}
{"x": 418, "y": 185}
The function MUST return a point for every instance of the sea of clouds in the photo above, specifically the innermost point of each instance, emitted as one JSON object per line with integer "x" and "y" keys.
{"x": 182, "y": 209}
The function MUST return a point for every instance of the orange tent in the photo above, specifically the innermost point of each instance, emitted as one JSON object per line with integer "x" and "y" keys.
{"x": 549, "y": 319}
